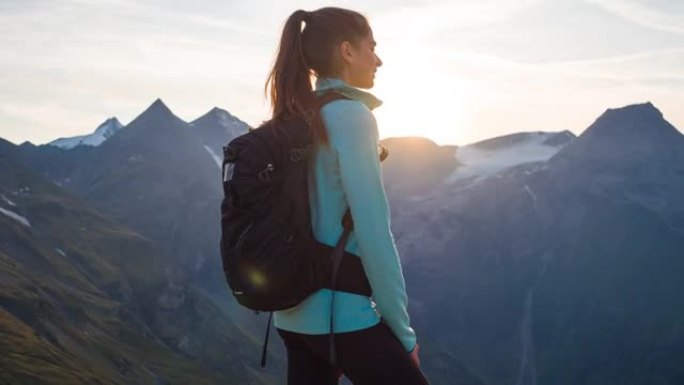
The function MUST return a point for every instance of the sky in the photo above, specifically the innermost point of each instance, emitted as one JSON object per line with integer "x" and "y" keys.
{"x": 455, "y": 71}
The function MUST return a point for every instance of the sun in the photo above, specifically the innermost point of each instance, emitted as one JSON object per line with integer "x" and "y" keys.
{"x": 420, "y": 98}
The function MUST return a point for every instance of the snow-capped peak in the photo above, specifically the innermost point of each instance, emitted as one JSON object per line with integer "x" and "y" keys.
{"x": 489, "y": 157}
{"x": 103, "y": 132}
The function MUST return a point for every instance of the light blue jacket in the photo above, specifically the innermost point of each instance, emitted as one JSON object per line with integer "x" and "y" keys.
{"x": 347, "y": 173}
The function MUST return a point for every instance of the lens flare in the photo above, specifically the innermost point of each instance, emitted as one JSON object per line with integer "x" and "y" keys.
{"x": 256, "y": 278}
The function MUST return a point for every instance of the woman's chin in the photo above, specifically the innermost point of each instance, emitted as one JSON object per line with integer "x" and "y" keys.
{"x": 365, "y": 84}
{"x": 368, "y": 84}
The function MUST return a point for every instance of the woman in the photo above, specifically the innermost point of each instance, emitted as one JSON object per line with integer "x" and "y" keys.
{"x": 337, "y": 47}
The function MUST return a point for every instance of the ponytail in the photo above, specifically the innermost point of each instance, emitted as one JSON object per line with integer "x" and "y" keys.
{"x": 289, "y": 82}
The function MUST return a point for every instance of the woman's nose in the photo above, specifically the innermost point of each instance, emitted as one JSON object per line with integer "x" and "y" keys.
{"x": 378, "y": 61}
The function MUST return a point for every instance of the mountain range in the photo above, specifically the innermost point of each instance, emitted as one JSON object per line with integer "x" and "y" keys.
{"x": 531, "y": 258}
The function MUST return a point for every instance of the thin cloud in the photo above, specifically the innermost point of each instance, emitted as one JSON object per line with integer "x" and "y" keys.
{"x": 666, "y": 63}
{"x": 639, "y": 12}
{"x": 606, "y": 72}
{"x": 558, "y": 31}
{"x": 428, "y": 19}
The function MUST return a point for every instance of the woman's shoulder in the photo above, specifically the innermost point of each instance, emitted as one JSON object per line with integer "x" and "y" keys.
{"x": 347, "y": 112}
{"x": 349, "y": 123}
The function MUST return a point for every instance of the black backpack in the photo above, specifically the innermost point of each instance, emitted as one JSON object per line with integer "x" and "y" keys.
{"x": 270, "y": 257}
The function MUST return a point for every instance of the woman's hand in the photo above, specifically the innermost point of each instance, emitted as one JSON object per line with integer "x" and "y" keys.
{"x": 414, "y": 356}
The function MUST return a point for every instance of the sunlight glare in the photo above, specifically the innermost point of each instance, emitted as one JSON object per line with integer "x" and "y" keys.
{"x": 419, "y": 98}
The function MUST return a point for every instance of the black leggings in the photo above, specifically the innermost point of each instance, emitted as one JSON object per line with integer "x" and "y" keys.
{"x": 372, "y": 356}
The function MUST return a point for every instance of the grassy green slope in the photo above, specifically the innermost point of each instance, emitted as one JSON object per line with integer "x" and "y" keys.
{"x": 79, "y": 297}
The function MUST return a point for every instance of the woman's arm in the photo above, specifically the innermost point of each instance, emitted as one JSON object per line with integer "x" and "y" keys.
{"x": 353, "y": 132}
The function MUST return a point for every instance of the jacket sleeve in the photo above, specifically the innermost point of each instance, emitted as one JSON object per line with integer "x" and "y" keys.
{"x": 353, "y": 132}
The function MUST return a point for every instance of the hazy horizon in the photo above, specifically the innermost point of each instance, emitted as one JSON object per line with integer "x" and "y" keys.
{"x": 455, "y": 73}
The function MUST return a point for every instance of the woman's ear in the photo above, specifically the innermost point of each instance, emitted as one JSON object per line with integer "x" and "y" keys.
{"x": 346, "y": 52}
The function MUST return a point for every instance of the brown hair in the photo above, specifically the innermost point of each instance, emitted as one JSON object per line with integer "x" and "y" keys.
{"x": 306, "y": 52}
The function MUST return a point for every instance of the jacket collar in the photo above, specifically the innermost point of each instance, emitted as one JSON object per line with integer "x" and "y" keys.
{"x": 325, "y": 84}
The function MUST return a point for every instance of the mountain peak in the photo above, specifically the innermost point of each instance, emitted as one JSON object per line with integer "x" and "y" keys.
{"x": 158, "y": 105}
{"x": 103, "y": 132}
{"x": 156, "y": 113}
{"x": 643, "y": 121}
{"x": 625, "y": 135}
{"x": 109, "y": 127}
{"x": 219, "y": 112}
{"x": 217, "y": 115}
{"x": 113, "y": 121}
{"x": 220, "y": 124}
{"x": 639, "y": 108}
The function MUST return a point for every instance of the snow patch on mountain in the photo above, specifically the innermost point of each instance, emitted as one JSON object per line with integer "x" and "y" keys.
{"x": 480, "y": 162}
{"x": 216, "y": 158}
{"x": 23, "y": 191}
{"x": 9, "y": 202}
{"x": 102, "y": 133}
{"x": 16, "y": 217}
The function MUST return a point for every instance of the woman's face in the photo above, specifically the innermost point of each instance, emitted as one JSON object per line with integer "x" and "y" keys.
{"x": 362, "y": 62}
